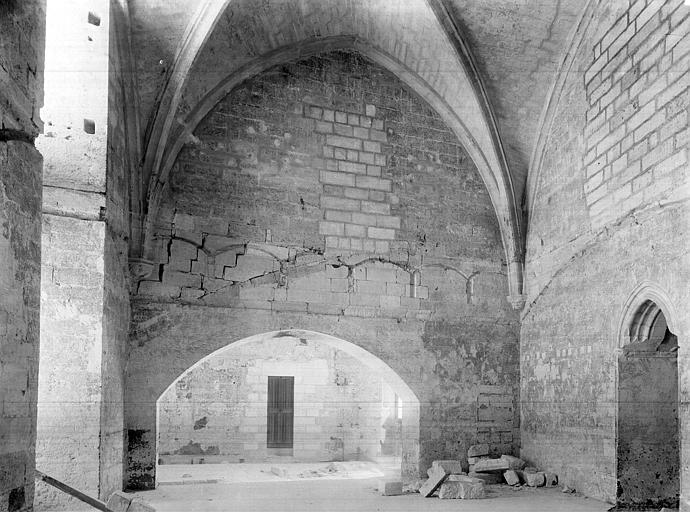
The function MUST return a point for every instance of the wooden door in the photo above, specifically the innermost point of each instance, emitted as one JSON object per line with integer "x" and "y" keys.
{"x": 281, "y": 410}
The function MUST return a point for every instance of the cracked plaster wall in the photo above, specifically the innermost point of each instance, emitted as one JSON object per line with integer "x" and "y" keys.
{"x": 611, "y": 212}
{"x": 323, "y": 195}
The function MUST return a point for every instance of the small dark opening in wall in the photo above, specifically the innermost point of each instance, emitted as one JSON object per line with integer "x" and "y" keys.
{"x": 90, "y": 126}
{"x": 94, "y": 19}
{"x": 16, "y": 499}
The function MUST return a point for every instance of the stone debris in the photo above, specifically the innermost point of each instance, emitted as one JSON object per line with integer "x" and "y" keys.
{"x": 462, "y": 487}
{"x": 390, "y": 487}
{"x": 514, "y": 462}
{"x": 452, "y": 467}
{"x": 491, "y": 466}
{"x": 567, "y": 490}
{"x": 478, "y": 450}
{"x": 551, "y": 479}
{"x": 511, "y": 477}
{"x": 436, "y": 478}
{"x": 537, "y": 479}
{"x": 121, "y": 502}
{"x": 488, "y": 478}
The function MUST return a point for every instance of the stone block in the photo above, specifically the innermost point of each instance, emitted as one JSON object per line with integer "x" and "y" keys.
{"x": 514, "y": 462}
{"x": 138, "y": 505}
{"x": 473, "y": 460}
{"x": 278, "y": 471}
{"x": 534, "y": 479}
{"x": 478, "y": 450}
{"x": 436, "y": 478}
{"x": 488, "y": 478}
{"x": 119, "y": 502}
{"x": 551, "y": 479}
{"x": 390, "y": 487}
{"x": 461, "y": 487}
{"x": 491, "y": 466}
{"x": 511, "y": 477}
{"x": 452, "y": 467}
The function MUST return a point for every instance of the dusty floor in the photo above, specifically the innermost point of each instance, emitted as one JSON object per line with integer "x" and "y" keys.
{"x": 347, "y": 489}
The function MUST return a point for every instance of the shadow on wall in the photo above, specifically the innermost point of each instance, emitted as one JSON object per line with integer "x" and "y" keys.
{"x": 290, "y": 396}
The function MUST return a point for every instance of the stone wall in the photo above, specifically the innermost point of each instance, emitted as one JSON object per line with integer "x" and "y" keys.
{"x": 22, "y": 31}
{"x": 217, "y": 411}
{"x": 610, "y": 214}
{"x": 323, "y": 195}
{"x": 84, "y": 295}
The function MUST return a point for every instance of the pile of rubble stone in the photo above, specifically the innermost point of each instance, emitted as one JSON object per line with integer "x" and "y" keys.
{"x": 448, "y": 479}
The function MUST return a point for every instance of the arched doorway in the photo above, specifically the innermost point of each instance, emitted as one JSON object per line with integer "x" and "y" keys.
{"x": 288, "y": 396}
{"x": 648, "y": 450}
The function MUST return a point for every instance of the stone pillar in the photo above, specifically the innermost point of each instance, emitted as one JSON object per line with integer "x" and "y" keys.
{"x": 84, "y": 315}
{"x": 22, "y": 30}
{"x": 684, "y": 419}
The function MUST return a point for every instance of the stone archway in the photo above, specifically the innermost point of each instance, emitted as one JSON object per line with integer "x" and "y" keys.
{"x": 648, "y": 444}
{"x": 371, "y": 368}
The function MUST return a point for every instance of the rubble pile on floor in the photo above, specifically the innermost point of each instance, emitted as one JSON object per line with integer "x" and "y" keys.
{"x": 448, "y": 480}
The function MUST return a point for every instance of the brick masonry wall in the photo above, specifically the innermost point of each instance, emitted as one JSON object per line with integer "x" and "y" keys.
{"x": 217, "y": 411}
{"x": 610, "y": 213}
{"x": 22, "y": 28}
{"x": 323, "y": 192}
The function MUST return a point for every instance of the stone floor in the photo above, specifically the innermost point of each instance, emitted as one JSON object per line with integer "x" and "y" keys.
{"x": 348, "y": 488}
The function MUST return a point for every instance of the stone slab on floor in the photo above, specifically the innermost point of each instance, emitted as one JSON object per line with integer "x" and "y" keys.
{"x": 467, "y": 489}
{"x": 121, "y": 502}
{"x": 436, "y": 478}
{"x": 390, "y": 487}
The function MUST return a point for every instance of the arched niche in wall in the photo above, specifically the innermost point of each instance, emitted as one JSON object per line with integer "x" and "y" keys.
{"x": 345, "y": 404}
{"x": 648, "y": 428}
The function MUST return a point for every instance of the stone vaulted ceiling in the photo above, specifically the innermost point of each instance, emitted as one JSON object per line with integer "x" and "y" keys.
{"x": 518, "y": 46}
{"x": 515, "y": 49}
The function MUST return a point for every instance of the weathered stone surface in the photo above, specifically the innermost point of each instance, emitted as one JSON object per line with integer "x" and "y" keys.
{"x": 491, "y": 466}
{"x": 218, "y": 190}
{"x": 452, "y": 467}
{"x": 514, "y": 462}
{"x": 119, "y": 502}
{"x": 623, "y": 155}
{"x": 534, "y": 479}
{"x": 511, "y": 477}
{"x": 436, "y": 478}
{"x": 390, "y": 487}
{"x": 478, "y": 450}
{"x": 22, "y": 47}
{"x": 488, "y": 478}
{"x": 462, "y": 489}
{"x": 550, "y": 479}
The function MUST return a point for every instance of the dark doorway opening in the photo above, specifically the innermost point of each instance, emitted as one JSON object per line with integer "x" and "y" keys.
{"x": 281, "y": 411}
{"x": 648, "y": 452}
